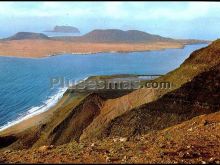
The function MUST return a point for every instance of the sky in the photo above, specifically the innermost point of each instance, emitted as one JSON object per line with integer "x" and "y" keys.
{"x": 198, "y": 20}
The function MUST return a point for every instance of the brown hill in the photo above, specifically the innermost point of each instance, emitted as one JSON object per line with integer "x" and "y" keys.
{"x": 115, "y": 35}
{"x": 27, "y": 35}
{"x": 120, "y": 36}
{"x": 199, "y": 96}
{"x": 199, "y": 61}
{"x": 185, "y": 73}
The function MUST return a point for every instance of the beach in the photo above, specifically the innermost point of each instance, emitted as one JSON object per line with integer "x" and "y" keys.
{"x": 68, "y": 101}
{"x": 41, "y": 118}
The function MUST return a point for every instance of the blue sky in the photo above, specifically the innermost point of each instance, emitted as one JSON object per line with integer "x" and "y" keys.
{"x": 200, "y": 20}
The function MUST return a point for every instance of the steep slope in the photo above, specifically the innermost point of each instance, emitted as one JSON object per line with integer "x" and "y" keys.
{"x": 71, "y": 127}
{"x": 114, "y": 108}
{"x": 200, "y": 96}
{"x": 193, "y": 141}
{"x": 199, "y": 61}
{"x": 208, "y": 57}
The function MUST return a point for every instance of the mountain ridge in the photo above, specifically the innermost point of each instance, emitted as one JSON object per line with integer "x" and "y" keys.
{"x": 122, "y": 36}
{"x": 116, "y": 35}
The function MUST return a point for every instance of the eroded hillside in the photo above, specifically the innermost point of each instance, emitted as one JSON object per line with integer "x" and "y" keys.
{"x": 135, "y": 126}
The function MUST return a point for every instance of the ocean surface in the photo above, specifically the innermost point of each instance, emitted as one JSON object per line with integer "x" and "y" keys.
{"x": 25, "y": 84}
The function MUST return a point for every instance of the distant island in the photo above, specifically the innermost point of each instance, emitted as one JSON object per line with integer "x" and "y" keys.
{"x": 28, "y": 44}
{"x": 64, "y": 29}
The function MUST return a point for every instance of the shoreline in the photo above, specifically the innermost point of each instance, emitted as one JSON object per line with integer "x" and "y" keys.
{"x": 37, "y": 110}
{"x": 37, "y": 49}
{"x": 40, "y": 116}
{"x": 32, "y": 121}
{"x": 94, "y": 53}
{"x": 36, "y": 119}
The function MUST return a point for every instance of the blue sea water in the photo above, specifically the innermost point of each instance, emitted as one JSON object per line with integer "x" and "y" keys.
{"x": 25, "y": 83}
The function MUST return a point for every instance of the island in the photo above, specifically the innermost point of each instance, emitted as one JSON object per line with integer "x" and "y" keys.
{"x": 64, "y": 29}
{"x": 36, "y": 45}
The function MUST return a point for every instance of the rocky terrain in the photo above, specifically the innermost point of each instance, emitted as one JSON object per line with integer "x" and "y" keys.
{"x": 197, "y": 97}
{"x": 193, "y": 141}
{"x": 177, "y": 125}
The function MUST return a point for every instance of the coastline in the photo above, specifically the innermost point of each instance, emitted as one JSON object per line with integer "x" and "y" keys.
{"x": 98, "y": 52}
{"x": 36, "y": 110}
{"x": 37, "y": 119}
{"x": 47, "y": 48}
{"x": 40, "y": 117}
{"x": 29, "y": 122}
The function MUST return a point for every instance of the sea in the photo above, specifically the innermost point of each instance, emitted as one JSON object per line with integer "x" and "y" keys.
{"x": 25, "y": 83}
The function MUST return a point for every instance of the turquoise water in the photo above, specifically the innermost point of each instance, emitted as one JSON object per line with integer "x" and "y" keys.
{"x": 25, "y": 83}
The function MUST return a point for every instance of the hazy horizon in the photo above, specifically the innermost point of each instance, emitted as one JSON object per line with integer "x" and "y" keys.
{"x": 169, "y": 19}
